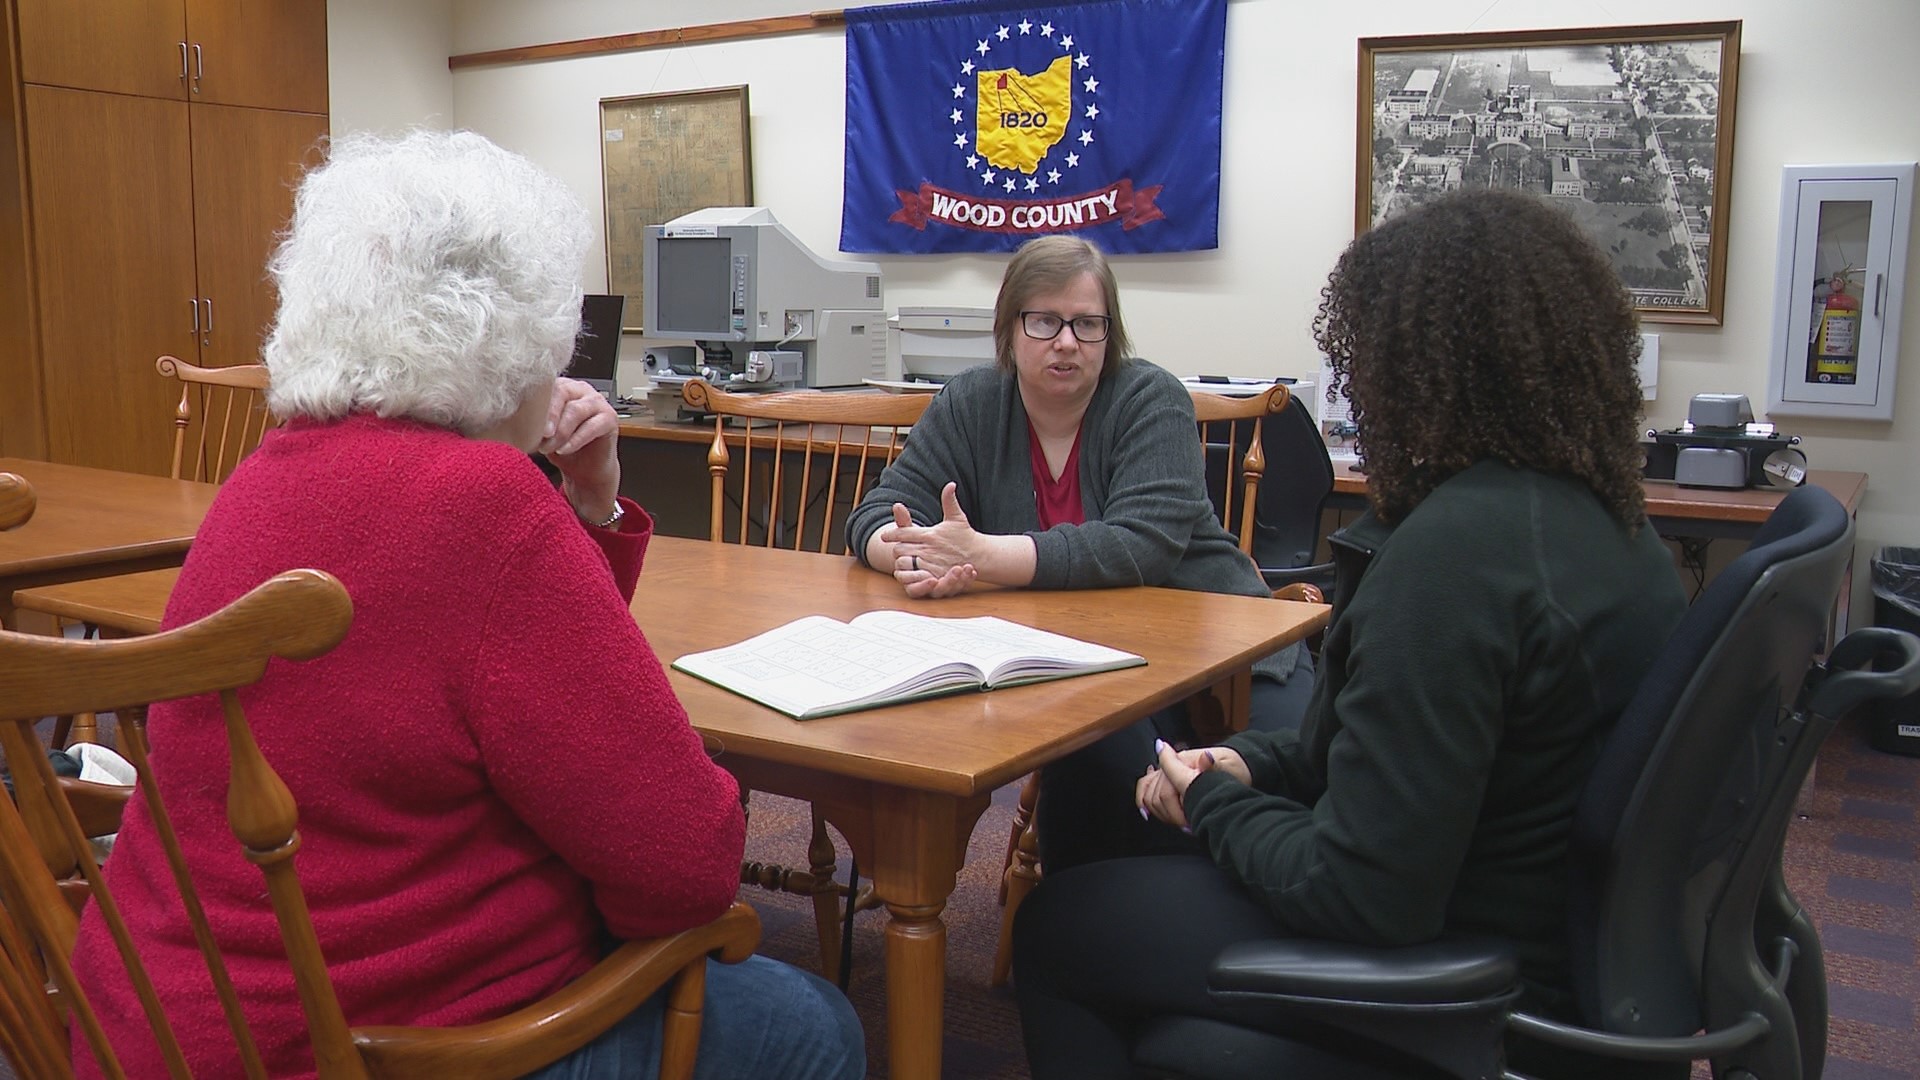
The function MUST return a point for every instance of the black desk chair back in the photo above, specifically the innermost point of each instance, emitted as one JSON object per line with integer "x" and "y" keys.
{"x": 1293, "y": 490}
{"x": 1685, "y": 941}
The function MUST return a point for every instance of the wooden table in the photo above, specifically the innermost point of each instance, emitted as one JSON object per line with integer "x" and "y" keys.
{"x": 95, "y": 522}
{"x": 906, "y": 784}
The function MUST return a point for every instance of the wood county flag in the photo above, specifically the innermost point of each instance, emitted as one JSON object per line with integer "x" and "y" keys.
{"x": 975, "y": 125}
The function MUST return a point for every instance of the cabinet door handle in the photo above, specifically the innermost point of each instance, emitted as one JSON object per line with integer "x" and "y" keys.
{"x": 183, "y": 62}
{"x": 1879, "y": 291}
{"x": 199, "y": 67}
{"x": 207, "y": 323}
{"x": 193, "y": 305}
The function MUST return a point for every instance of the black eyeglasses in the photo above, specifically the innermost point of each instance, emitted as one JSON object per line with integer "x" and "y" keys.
{"x": 1045, "y": 326}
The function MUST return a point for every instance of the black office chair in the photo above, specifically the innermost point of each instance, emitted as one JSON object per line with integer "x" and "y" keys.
{"x": 1294, "y": 488}
{"x": 1685, "y": 942}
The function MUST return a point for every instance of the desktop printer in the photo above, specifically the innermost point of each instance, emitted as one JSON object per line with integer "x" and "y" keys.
{"x": 1721, "y": 447}
{"x": 764, "y": 312}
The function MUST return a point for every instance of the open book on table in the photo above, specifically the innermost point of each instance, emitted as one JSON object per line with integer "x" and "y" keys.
{"x": 818, "y": 666}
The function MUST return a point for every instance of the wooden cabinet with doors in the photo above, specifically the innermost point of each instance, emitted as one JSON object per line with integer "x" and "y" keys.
{"x": 150, "y": 206}
{"x": 270, "y": 54}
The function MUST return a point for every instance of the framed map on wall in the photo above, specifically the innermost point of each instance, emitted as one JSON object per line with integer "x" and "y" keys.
{"x": 661, "y": 156}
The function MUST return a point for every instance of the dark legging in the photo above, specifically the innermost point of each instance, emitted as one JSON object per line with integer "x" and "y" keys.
{"x": 1102, "y": 948}
{"x": 1086, "y": 809}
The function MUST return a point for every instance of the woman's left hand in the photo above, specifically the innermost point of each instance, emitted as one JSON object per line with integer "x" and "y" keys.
{"x": 1162, "y": 792}
{"x": 582, "y": 439}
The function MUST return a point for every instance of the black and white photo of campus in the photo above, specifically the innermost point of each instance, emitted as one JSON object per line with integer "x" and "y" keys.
{"x": 1628, "y": 135}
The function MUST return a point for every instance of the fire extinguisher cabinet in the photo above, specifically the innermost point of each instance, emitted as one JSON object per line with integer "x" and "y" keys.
{"x": 1841, "y": 274}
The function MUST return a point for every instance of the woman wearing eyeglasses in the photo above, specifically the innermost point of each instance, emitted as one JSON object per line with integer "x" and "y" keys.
{"x": 1066, "y": 464}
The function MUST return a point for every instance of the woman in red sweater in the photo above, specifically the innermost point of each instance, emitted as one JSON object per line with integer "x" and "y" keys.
{"x": 493, "y": 774}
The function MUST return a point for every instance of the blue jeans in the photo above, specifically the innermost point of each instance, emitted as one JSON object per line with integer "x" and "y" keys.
{"x": 761, "y": 1018}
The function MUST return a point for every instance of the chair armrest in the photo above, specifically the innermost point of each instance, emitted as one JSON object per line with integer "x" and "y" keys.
{"x": 542, "y": 1033}
{"x": 1464, "y": 972}
{"x": 1875, "y": 662}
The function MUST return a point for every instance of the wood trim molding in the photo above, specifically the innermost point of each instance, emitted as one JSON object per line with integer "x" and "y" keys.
{"x": 652, "y": 39}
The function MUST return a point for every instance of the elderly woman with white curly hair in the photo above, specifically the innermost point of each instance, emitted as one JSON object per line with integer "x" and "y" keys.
{"x": 493, "y": 773}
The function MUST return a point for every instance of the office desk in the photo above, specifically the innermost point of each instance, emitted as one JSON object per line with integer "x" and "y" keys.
{"x": 95, "y": 522}
{"x": 906, "y": 784}
{"x": 1707, "y": 513}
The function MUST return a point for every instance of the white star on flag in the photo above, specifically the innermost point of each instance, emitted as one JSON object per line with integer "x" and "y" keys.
{"x": 1081, "y": 60}
{"x": 973, "y": 160}
{"x": 966, "y": 67}
{"x": 1001, "y": 33}
{"x": 1033, "y": 185}
{"x": 1073, "y": 161}
{"x": 1053, "y": 176}
{"x": 1093, "y": 112}
{"x": 1046, "y": 29}
{"x": 1066, "y": 42}
{"x": 958, "y": 116}
{"x": 1086, "y": 138}
{"x": 1025, "y": 26}
{"x": 987, "y": 176}
{"x": 960, "y": 140}
{"x": 1009, "y": 185}
{"x": 959, "y": 91}
{"x": 1092, "y": 85}
{"x": 982, "y": 47}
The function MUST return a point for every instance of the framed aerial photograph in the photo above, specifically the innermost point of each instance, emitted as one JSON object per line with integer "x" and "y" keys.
{"x": 664, "y": 155}
{"x": 1627, "y": 128}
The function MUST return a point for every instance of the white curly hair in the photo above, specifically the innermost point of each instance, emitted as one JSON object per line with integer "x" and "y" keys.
{"x": 433, "y": 276}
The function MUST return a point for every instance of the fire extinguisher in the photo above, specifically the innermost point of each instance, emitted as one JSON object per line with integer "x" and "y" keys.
{"x": 1836, "y": 342}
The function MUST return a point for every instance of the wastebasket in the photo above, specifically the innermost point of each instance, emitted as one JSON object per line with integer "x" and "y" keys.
{"x": 1894, "y": 726}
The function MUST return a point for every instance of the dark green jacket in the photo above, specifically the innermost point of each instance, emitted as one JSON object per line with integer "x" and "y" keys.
{"x": 1463, "y": 693}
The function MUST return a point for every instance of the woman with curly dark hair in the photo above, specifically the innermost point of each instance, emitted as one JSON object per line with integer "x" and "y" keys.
{"x": 1499, "y": 605}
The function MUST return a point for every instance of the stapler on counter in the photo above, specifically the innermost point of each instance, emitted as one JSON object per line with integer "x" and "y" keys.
{"x": 1720, "y": 446}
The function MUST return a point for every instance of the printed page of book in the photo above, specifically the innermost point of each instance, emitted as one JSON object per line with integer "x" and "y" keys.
{"x": 1007, "y": 652}
{"x": 816, "y": 666}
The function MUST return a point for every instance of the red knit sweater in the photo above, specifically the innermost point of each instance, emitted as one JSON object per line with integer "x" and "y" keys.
{"x": 492, "y": 770}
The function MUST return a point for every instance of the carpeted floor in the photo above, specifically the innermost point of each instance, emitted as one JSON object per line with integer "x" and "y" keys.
{"x": 1851, "y": 860}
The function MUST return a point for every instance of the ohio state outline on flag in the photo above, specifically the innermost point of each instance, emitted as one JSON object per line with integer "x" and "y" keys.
{"x": 975, "y": 125}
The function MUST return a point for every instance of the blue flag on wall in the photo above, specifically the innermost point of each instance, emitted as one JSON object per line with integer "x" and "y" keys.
{"x": 975, "y": 125}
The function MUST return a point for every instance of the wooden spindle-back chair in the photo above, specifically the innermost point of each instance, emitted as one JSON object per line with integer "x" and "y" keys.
{"x": 796, "y": 479}
{"x": 1229, "y": 426}
{"x": 298, "y": 615}
{"x": 221, "y": 417}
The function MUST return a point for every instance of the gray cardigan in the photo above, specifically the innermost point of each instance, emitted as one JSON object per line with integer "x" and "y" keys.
{"x": 1142, "y": 487}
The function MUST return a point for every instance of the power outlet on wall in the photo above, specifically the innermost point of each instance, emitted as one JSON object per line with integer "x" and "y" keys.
{"x": 1649, "y": 366}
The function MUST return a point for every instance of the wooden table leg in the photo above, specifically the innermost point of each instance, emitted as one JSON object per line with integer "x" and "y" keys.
{"x": 919, "y": 842}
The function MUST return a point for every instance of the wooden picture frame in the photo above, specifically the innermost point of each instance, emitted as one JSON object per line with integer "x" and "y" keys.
{"x": 661, "y": 156}
{"x": 1629, "y": 128}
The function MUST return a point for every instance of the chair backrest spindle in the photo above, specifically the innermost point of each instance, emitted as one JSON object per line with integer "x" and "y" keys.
{"x": 1221, "y": 420}
{"x": 231, "y": 399}
{"x": 838, "y": 430}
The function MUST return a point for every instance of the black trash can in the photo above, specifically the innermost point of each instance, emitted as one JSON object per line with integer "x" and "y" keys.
{"x": 1894, "y": 726}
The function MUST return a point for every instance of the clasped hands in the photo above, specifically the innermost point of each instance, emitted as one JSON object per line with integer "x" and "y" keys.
{"x": 933, "y": 561}
{"x": 1162, "y": 792}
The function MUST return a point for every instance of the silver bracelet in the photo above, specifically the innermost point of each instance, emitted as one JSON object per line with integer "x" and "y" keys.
{"x": 612, "y": 519}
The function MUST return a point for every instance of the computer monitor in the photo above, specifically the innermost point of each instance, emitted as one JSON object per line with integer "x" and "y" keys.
{"x": 596, "y": 351}
{"x": 736, "y": 282}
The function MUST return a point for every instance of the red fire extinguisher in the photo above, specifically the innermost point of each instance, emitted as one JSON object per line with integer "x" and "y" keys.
{"x": 1836, "y": 343}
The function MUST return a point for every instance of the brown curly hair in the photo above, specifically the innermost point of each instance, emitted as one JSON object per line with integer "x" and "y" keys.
{"x": 1485, "y": 325}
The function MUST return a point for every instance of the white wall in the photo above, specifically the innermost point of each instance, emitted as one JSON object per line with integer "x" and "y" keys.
{"x": 387, "y": 64}
{"x": 1812, "y": 90}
